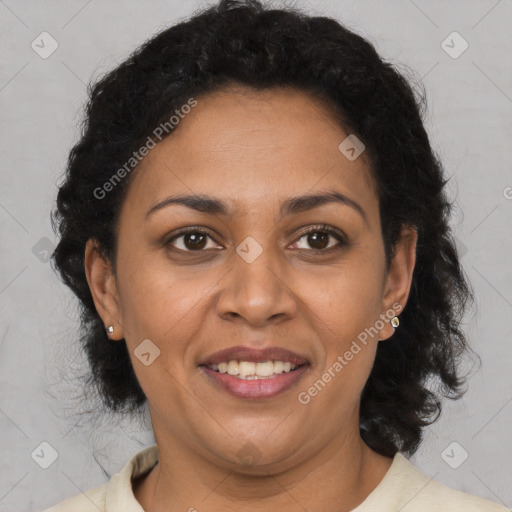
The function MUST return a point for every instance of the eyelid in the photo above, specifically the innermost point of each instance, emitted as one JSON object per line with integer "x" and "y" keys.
{"x": 331, "y": 230}
{"x": 324, "y": 227}
{"x": 191, "y": 229}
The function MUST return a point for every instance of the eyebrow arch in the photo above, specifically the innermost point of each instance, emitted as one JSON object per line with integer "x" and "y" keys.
{"x": 292, "y": 205}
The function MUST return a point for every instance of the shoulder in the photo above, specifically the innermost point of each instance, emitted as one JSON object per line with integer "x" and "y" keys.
{"x": 89, "y": 501}
{"x": 117, "y": 493}
{"x": 421, "y": 493}
{"x": 446, "y": 499}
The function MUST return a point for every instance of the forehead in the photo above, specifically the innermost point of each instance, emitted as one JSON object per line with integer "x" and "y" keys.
{"x": 250, "y": 146}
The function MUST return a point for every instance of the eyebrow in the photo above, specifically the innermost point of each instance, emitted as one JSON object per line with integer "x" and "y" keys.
{"x": 292, "y": 205}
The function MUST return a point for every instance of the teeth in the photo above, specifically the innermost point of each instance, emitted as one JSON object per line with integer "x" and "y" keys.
{"x": 246, "y": 368}
{"x": 265, "y": 369}
{"x": 233, "y": 368}
{"x": 278, "y": 366}
{"x": 250, "y": 370}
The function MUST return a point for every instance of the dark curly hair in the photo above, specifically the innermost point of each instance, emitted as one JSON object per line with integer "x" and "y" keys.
{"x": 243, "y": 43}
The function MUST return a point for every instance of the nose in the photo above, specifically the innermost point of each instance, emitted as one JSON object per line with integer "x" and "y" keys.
{"x": 257, "y": 292}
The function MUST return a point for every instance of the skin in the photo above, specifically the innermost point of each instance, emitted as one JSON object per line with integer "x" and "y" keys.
{"x": 253, "y": 150}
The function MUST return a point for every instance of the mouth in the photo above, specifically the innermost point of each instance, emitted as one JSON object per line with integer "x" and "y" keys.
{"x": 253, "y": 386}
{"x": 251, "y": 370}
{"x": 255, "y": 374}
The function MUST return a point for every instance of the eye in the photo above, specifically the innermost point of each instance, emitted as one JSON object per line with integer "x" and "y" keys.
{"x": 194, "y": 240}
{"x": 318, "y": 238}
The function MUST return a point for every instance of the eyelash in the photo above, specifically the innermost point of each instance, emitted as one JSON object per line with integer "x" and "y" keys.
{"x": 322, "y": 228}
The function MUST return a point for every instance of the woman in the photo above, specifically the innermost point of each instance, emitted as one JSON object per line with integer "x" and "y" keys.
{"x": 256, "y": 225}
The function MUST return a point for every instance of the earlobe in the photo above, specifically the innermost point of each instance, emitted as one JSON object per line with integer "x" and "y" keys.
{"x": 399, "y": 279}
{"x": 102, "y": 283}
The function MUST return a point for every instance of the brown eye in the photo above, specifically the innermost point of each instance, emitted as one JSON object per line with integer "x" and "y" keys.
{"x": 192, "y": 240}
{"x": 317, "y": 238}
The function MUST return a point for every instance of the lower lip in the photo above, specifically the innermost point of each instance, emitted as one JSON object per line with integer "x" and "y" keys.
{"x": 258, "y": 388}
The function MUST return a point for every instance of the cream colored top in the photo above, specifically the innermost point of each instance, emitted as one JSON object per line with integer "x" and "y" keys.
{"x": 404, "y": 488}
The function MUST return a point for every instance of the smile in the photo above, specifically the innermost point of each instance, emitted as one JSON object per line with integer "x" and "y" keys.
{"x": 248, "y": 379}
{"x": 251, "y": 370}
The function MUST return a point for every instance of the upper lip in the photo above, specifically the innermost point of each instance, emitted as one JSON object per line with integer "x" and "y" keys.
{"x": 244, "y": 353}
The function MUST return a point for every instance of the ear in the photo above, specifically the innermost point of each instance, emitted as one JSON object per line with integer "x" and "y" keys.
{"x": 399, "y": 278}
{"x": 102, "y": 284}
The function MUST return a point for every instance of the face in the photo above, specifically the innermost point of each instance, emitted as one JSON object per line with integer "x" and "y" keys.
{"x": 308, "y": 277}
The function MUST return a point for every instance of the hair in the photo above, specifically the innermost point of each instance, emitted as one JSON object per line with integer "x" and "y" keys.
{"x": 243, "y": 43}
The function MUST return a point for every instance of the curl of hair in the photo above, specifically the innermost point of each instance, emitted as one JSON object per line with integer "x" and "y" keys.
{"x": 242, "y": 43}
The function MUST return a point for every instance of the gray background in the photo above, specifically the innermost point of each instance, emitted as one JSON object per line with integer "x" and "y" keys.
{"x": 469, "y": 121}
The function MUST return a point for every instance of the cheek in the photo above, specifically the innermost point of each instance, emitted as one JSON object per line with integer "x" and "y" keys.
{"x": 167, "y": 307}
{"x": 161, "y": 303}
{"x": 344, "y": 312}
{"x": 346, "y": 298}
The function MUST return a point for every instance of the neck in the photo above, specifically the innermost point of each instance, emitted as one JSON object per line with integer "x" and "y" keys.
{"x": 346, "y": 470}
